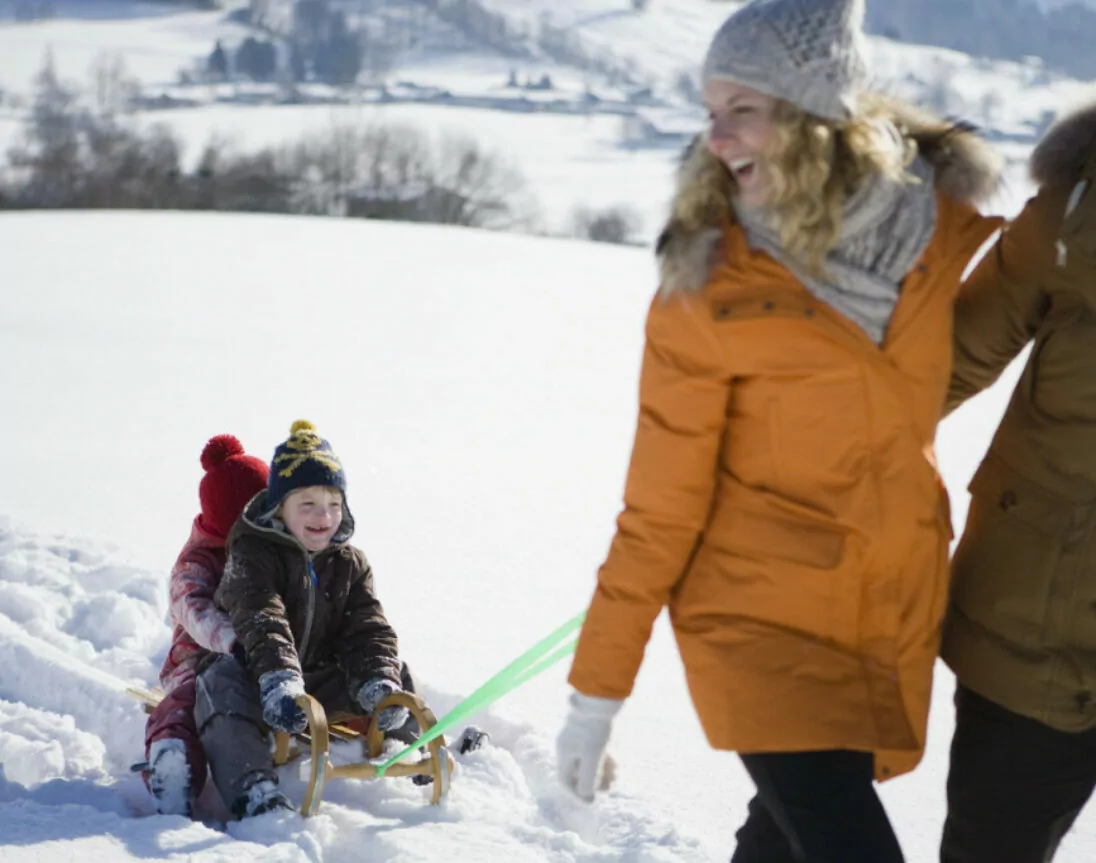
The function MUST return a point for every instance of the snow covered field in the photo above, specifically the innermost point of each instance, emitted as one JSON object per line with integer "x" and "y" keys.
{"x": 480, "y": 389}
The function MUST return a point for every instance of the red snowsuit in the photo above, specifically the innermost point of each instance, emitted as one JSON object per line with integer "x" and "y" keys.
{"x": 199, "y": 627}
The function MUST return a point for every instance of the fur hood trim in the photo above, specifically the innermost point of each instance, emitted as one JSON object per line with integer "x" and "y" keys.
{"x": 1060, "y": 158}
{"x": 965, "y": 168}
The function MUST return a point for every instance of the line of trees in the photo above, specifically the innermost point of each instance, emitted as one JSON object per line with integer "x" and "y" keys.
{"x": 74, "y": 156}
{"x": 78, "y": 156}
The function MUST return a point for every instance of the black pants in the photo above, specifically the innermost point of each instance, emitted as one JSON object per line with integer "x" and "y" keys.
{"x": 1015, "y": 785}
{"x": 815, "y": 807}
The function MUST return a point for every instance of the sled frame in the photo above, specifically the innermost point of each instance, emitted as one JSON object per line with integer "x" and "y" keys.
{"x": 436, "y": 762}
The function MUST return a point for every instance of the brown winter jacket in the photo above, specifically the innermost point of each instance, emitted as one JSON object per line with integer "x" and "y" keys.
{"x": 285, "y": 619}
{"x": 782, "y": 497}
{"x": 1022, "y": 623}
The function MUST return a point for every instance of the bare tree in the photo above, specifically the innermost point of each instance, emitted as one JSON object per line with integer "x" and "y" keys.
{"x": 114, "y": 88}
{"x": 48, "y": 159}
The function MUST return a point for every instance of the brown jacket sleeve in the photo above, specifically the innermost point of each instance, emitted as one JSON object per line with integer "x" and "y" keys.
{"x": 366, "y": 646}
{"x": 251, "y": 592}
{"x": 684, "y": 390}
{"x": 1000, "y": 306}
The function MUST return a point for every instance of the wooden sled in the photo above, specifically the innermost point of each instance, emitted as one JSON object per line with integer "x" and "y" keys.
{"x": 436, "y": 763}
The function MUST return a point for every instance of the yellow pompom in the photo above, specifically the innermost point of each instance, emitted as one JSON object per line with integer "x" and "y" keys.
{"x": 301, "y": 425}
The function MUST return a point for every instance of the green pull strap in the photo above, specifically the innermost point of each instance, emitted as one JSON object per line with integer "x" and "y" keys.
{"x": 540, "y": 657}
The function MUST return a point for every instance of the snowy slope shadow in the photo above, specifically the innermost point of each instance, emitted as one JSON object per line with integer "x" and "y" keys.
{"x": 77, "y": 627}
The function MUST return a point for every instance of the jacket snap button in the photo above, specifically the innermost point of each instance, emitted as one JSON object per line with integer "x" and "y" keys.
{"x": 922, "y": 268}
{"x": 769, "y": 306}
{"x": 722, "y": 311}
{"x": 808, "y": 313}
{"x": 1007, "y": 500}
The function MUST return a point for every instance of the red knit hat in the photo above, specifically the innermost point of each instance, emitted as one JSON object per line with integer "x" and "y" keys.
{"x": 231, "y": 479}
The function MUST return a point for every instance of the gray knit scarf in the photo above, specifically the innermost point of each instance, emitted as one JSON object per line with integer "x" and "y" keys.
{"x": 885, "y": 229}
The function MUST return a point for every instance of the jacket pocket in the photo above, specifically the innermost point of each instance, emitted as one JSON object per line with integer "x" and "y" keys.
{"x": 768, "y": 569}
{"x": 1006, "y": 560}
{"x": 767, "y": 536}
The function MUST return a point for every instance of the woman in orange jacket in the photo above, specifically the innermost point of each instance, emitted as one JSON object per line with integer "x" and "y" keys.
{"x": 782, "y": 497}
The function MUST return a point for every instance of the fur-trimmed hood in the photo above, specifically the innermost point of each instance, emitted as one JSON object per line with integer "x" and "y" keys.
{"x": 1060, "y": 157}
{"x": 966, "y": 168}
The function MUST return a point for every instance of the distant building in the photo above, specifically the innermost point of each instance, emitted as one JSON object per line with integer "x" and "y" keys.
{"x": 670, "y": 127}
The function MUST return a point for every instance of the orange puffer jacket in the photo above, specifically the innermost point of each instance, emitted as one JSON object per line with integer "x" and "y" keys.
{"x": 782, "y": 498}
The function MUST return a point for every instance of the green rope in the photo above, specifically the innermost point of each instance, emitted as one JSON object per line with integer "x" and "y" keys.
{"x": 540, "y": 657}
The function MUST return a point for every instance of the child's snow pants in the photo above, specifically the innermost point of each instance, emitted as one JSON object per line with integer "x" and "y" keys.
{"x": 229, "y": 716}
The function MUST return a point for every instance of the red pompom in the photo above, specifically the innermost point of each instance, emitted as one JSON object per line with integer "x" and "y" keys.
{"x": 220, "y": 448}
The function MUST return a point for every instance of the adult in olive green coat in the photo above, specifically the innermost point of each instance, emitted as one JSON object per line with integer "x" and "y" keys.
{"x": 1021, "y": 629}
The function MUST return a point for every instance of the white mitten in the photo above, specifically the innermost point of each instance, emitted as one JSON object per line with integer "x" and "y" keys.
{"x": 583, "y": 765}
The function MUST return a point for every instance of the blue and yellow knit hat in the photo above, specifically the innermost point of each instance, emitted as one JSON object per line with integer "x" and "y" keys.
{"x": 305, "y": 459}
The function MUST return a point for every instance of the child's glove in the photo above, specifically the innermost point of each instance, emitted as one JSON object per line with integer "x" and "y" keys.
{"x": 373, "y": 693}
{"x": 583, "y": 765}
{"x": 278, "y": 691}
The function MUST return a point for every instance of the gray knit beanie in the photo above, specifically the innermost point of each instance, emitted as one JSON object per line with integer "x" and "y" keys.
{"x": 807, "y": 52}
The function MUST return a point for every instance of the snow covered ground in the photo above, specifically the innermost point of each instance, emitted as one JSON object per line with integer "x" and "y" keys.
{"x": 155, "y": 40}
{"x": 481, "y": 391}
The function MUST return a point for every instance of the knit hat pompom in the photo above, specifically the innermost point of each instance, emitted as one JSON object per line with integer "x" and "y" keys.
{"x": 220, "y": 448}
{"x": 305, "y": 459}
{"x": 810, "y": 53}
{"x": 231, "y": 479}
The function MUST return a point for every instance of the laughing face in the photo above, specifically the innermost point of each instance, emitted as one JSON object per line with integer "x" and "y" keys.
{"x": 742, "y": 121}
{"x": 313, "y": 514}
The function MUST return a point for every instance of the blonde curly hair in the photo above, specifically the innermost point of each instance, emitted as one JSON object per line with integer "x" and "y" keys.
{"x": 814, "y": 165}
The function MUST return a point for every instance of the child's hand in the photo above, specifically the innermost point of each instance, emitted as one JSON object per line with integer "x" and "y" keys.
{"x": 278, "y": 691}
{"x": 373, "y": 693}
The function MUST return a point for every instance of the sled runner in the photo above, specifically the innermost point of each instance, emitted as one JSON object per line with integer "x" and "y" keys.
{"x": 436, "y": 763}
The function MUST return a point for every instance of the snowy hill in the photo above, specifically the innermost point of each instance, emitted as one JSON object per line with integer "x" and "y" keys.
{"x": 570, "y": 160}
{"x": 1058, "y": 32}
{"x": 153, "y": 332}
{"x": 480, "y": 389}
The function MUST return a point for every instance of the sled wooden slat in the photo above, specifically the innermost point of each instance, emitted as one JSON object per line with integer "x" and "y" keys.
{"x": 149, "y": 698}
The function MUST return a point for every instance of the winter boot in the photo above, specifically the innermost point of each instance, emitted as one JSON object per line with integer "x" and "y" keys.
{"x": 262, "y": 795}
{"x": 471, "y": 739}
{"x": 168, "y": 776}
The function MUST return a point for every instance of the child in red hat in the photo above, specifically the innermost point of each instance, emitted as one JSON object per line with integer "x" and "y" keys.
{"x": 176, "y": 763}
